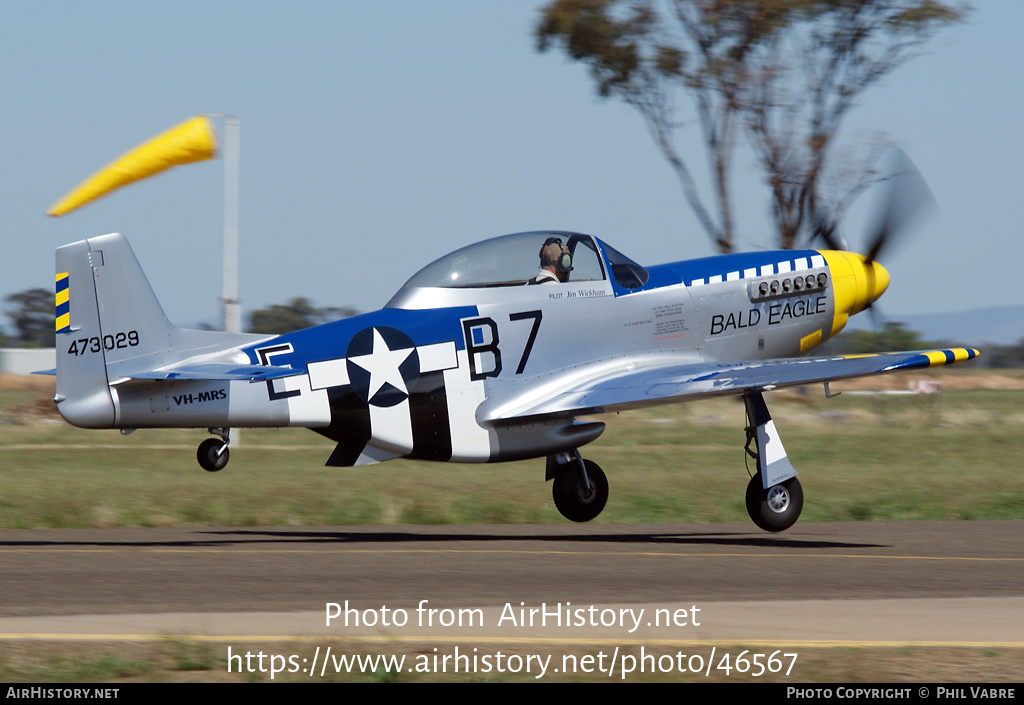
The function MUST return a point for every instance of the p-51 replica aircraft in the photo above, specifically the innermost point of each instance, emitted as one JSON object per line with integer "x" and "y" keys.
{"x": 480, "y": 359}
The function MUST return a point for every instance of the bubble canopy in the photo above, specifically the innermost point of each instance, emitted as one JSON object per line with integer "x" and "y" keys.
{"x": 513, "y": 260}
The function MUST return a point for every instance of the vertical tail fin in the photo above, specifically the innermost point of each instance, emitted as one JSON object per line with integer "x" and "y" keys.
{"x": 106, "y": 312}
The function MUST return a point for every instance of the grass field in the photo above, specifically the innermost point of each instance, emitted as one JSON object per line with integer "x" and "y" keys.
{"x": 953, "y": 455}
{"x": 179, "y": 660}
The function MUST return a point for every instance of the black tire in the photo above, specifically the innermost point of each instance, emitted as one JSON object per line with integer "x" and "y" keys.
{"x": 776, "y": 509}
{"x": 569, "y": 498}
{"x": 210, "y": 456}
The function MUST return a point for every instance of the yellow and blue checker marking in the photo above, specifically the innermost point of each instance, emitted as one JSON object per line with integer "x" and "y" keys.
{"x": 63, "y": 303}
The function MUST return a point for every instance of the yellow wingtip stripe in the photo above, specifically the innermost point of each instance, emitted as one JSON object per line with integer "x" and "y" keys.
{"x": 63, "y": 321}
{"x": 950, "y": 356}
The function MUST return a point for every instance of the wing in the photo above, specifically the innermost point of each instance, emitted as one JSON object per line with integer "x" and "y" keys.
{"x": 664, "y": 381}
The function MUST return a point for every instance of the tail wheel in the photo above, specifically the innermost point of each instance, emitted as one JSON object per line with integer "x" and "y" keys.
{"x": 212, "y": 454}
{"x": 778, "y": 507}
{"x": 570, "y": 499}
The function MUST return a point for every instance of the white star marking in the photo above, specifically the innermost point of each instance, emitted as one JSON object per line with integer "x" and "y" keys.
{"x": 382, "y": 364}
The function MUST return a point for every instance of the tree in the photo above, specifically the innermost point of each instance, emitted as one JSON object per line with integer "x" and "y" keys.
{"x": 1004, "y": 355}
{"x": 893, "y": 337}
{"x": 785, "y": 72}
{"x": 32, "y": 312}
{"x": 296, "y": 314}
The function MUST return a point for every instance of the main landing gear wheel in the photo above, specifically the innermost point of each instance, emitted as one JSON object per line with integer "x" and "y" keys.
{"x": 570, "y": 499}
{"x": 212, "y": 454}
{"x": 776, "y": 509}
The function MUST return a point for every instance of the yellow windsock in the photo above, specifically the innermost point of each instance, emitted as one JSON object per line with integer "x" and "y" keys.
{"x": 192, "y": 141}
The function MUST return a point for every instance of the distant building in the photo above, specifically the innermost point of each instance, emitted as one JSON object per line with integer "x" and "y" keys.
{"x": 25, "y": 361}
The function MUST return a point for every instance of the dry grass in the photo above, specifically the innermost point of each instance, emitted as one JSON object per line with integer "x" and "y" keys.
{"x": 178, "y": 660}
{"x": 944, "y": 456}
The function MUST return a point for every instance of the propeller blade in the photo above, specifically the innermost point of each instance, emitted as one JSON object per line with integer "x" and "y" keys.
{"x": 907, "y": 198}
{"x": 828, "y": 231}
{"x": 878, "y": 318}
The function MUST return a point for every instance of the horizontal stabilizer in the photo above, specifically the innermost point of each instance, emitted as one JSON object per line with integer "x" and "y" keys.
{"x": 220, "y": 372}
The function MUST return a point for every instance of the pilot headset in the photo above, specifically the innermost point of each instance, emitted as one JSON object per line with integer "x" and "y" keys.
{"x": 562, "y": 261}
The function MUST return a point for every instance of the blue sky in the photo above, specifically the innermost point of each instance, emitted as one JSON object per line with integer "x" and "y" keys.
{"x": 376, "y": 137}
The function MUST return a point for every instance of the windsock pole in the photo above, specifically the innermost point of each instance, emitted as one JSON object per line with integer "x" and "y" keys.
{"x": 232, "y": 306}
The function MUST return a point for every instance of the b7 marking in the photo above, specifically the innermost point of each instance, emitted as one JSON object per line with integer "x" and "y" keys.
{"x": 481, "y": 336}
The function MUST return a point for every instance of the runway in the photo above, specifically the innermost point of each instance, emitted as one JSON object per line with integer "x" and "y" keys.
{"x": 929, "y": 583}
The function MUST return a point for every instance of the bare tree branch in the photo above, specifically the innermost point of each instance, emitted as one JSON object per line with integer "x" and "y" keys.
{"x": 784, "y": 72}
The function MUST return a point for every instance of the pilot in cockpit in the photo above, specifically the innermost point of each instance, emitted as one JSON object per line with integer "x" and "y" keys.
{"x": 555, "y": 263}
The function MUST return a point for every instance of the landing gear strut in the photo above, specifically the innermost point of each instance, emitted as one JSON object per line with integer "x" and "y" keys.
{"x": 580, "y": 488}
{"x": 213, "y": 453}
{"x": 774, "y": 497}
